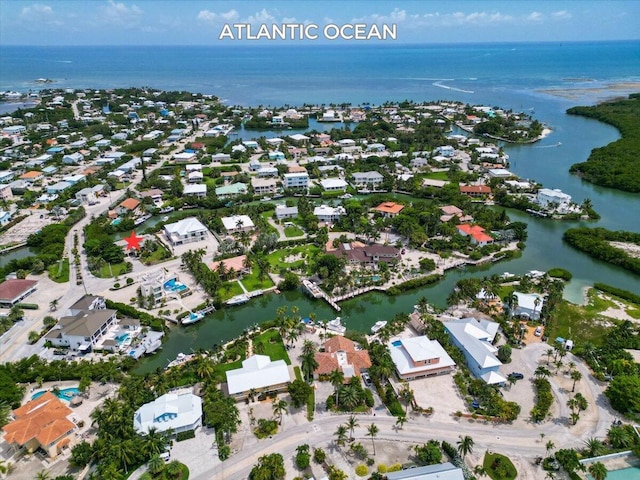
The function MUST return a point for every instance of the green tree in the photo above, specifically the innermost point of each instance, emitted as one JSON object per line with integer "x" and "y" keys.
{"x": 299, "y": 391}
{"x": 372, "y": 431}
{"x": 576, "y": 376}
{"x": 598, "y": 471}
{"x": 155, "y": 465}
{"x": 400, "y": 421}
{"x": 341, "y": 435}
{"x": 428, "y": 453}
{"x": 593, "y": 447}
{"x": 269, "y": 467}
{"x": 279, "y": 408}
{"x": 303, "y": 457}
{"x": 352, "y": 423}
{"x": 624, "y": 393}
{"x": 81, "y": 454}
{"x": 337, "y": 380}
{"x": 173, "y": 469}
{"x": 465, "y": 445}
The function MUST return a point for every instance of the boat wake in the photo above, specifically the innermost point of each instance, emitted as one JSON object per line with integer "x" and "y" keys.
{"x": 549, "y": 146}
{"x": 447, "y": 87}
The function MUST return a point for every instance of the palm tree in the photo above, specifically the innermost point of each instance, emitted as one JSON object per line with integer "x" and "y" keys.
{"x": 341, "y": 435}
{"x": 308, "y": 363}
{"x": 155, "y": 465}
{"x": 548, "y": 353}
{"x": 549, "y": 446}
{"x": 406, "y": 394}
{"x": 593, "y": 447}
{"x": 174, "y": 469}
{"x": 337, "y": 380}
{"x": 400, "y": 421}
{"x": 619, "y": 437}
{"x": 204, "y": 368}
{"x": 279, "y": 407}
{"x": 53, "y": 305}
{"x": 352, "y": 423}
{"x": 480, "y": 471}
{"x": 576, "y": 376}
{"x": 542, "y": 372}
{"x": 465, "y": 445}
{"x": 372, "y": 431}
{"x": 43, "y": 475}
{"x": 598, "y": 471}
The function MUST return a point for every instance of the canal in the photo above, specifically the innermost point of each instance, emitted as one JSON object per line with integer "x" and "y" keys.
{"x": 546, "y": 162}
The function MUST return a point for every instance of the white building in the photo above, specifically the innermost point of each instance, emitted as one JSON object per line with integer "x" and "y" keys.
{"x": 283, "y": 212}
{"x": 296, "y": 180}
{"x": 178, "y": 412}
{"x": 82, "y": 330}
{"x": 333, "y": 184}
{"x": 263, "y": 186}
{"x": 237, "y": 223}
{"x": 195, "y": 189}
{"x": 187, "y": 230}
{"x": 418, "y": 357}
{"x": 546, "y": 197}
{"x": 260, "y": 374}
{"x": 328, "y": 214}
{"x": 529, "y": 305}
{"x": 367, "y": 179}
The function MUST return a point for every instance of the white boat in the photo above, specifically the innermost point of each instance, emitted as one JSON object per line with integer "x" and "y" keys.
{"x": 166, "y": 209}
{"x": 238, "y": 299}
{"x": 193, "y": 317}
{"x": 378, "y": 326}
{"x": 335, "y": 325}
{"x": 180, "y": 359}
{"x": 141, "y": 220}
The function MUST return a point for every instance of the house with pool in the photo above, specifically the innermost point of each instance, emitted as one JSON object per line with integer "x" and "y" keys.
{"x": 474, "y": 338}
{"x": 177, "y": 411}
{"x": 84, "y": 330}
{"x": 187, "y": 230}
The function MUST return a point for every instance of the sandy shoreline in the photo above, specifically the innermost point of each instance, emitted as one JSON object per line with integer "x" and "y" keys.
{"x": 605, "y": 91}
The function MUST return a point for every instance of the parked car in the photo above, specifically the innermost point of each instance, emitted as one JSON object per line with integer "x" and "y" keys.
{"x": 516, "y": 375}
{"x": 538, "y": 332}
{"x": 366, "y": 379}
{"x": 166, "y": 456}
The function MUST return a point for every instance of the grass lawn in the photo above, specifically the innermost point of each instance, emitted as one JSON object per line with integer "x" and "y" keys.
{"x": 59, "y": 271}
{"x": 437, "y": 176}
{"x": 270, "y": 343}
{"x": 581, "y": 323}
{"x": 230, "y": 289}
{"x": 252, "y": 282}
{"x": 276, "y": 259}
{"x": 499, "y": 467}
{"x": 268, "y": 214}
{"x": 293, "y": 232}
{"x": 160, "y": 255}
{"x": 116, "y": 269}
{"x": 220, "y": 369}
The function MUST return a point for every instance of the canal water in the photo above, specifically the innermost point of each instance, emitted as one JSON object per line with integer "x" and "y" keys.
{"x": 546, "y": 162}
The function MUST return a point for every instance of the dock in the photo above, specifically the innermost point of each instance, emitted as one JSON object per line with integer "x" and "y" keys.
{"x": 316, "y": 292}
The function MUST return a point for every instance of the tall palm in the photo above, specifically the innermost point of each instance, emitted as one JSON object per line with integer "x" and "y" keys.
{"x": 174, "y": 469}
{"x": 155, "y": 465}
{"x": 465, "y": 445}
{"x": 204, "y": 368}
{"x": 400, "y": 421}
{"x": 341, "y": 434}
{"x": 279, "y": 407}
{"x": 576, "y": 376}
{"x": 308, "y": 364}
{"x": 372, "y": 431}
{"x": 337, "y": 380}
{"x": 43, "y": 475}
{"x": 598, "y": 471}
{"x": 549, "y": 446}
{"x": 407, "y": 396}
{"x": 352, "y": 423}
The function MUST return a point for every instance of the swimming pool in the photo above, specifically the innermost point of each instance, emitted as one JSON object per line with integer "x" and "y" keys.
{"x": 64, "y": 394}
{"x": 174, "y": 286}
{"x": 632, "y": 473}
{"x": 122, "y": 338}
{"x": 116, "y": 221}
{"x": 397, "y": 343}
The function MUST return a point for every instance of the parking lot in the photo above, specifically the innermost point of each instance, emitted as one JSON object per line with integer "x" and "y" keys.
{"x": 33, "y": 223}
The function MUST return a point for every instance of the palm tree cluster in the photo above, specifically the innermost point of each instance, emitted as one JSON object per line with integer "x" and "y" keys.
{"x": 209, "y": 280}
{"x": 347, "y": 396}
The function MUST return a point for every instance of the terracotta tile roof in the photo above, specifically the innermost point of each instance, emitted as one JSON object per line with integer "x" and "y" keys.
{"x": 31, "y": 174}
{"x": 337, "y": 343}
{"x": 328, "y": 360}
{"x": 13, "y": 288}
{"x": 478, "y": 189}
{"x": 476, "y": 231}
{"x": 129, "y": 204}
{"x": 297, "y": 169}
{"x": 389, "y": 207}
{"x": 44, "y": 419}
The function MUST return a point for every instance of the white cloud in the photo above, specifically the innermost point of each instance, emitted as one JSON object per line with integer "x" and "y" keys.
{"x": 208, "y": 16}
{"x": 535, "y": 17}
{"x": 39, "y": 14}
{"x": 263, "y": 16}
{"x": 561, "y": 15}
{"x": 118, "y": 12}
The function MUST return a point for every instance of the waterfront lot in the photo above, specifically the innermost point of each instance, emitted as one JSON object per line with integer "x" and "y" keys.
{"x": 438, "y": 392}
{"x": 31, "y": 224}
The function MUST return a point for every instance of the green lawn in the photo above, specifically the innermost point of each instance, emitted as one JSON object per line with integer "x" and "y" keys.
{"x": 252, "y": 282}
{"x": 230, "y": 289}
{"x": 292, "y": 232}
{"x": 59, "y": 271}
{"x": 581, "y": 323}
{"x": 220, "y": 369}
{"x": 116, "y": 269}
{"x": 276, "y": 259}
{"x": 268, "y": 215}
{"x": 160, "y": 255}
{"x": 437, "y": 176}
{"x": 499, "y": 467}
{"x": 270, "y": 343}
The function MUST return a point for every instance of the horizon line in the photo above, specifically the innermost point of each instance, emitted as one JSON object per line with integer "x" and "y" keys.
{"x": 289, "y": 43}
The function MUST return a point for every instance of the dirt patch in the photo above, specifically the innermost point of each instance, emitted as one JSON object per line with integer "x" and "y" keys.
{"x": 631, "y": 249}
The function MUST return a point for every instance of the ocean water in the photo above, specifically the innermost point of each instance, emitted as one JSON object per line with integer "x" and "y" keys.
{"x": 510, "y": 75}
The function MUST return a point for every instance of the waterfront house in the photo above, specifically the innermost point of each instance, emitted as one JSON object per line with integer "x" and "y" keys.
{"x": 451, "y": 211}
{"x": 500, "y": 173}
{"x": 232, "y": 190}
{"x": 264, "y": 186}
{"x": 389, "y": 209}
{"x": 370, "y": 256}
{"x": 333, "y": 185}
{"x": 15, "y": 290}
{"x": 528, "y": 305}
{"x": 195, "y": 176}
{"x": 474, "y": 338}
{"x": 296, "y": 180}
{"x": 418, "y": 357}
{"x": 328, "y": 214}
{"x": 195, "y": 190}
{"x": 548, "y": 198}
{"x": 340, "y": 353}
{"x": 258, "y": 374}
{"x": 130, "y": 205}
{"x": 478, "y": 235}
{"x": 41, "y": 423}
{"x": 234, "y": 266}
{"x": 237, "y": 224}
{"x": 176, "y": 412}
{"x": 82, "y": 331}
{"x": 284, "y": 212}
{"x": 187, "y": 230}
{"x": 475, "y": 191}
{"x": 370, "y": 179}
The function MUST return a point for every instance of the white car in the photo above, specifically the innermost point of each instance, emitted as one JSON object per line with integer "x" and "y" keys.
{"x": 538, "y": 332}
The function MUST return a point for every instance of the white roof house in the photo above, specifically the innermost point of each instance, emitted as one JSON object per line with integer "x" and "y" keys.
{"x": 328, "y": 214}
{"x": 529, "y": 305}
{"x": 237, "y": 223}
{"x": 331, "y": 184}
{"x": 419, "y": 357}
{"x": 197, "y": 189}
{"x": 474, "y": 338}
{"x": 546, "y": 196}
{"x": 178, "y": 412}
{"x": 440, "y": 471}
{"x": 187, "y": 230}
{"x": 298, "y": 137}
{"x": 259, "y": 373}
{"x": 184, "y": 157}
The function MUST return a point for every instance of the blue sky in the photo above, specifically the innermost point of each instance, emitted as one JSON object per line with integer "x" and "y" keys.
{"x": 199, "y": 22}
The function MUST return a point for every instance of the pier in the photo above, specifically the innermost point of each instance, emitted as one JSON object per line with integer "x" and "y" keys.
{"x": 316, "y": 292}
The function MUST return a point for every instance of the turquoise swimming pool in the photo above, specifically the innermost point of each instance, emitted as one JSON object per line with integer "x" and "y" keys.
{"x": 64, "y": 394}
{"x": 174, "y": 286}
{"x": 397, "y": 343}
{"x": 122, "y": 338}
{"x": 632, "y": 473}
